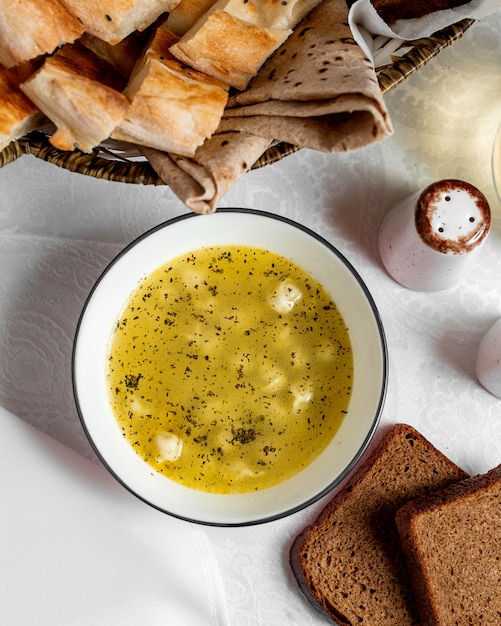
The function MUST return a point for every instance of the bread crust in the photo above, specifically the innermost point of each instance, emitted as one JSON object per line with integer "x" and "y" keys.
{"x": 185, "y": 14}
{"x": 228, "y": 48}
{"x": 271, "y": 13}
{"x": 173, "y": 107}
{"x": 30, "y": 28}
{"x": 78, "y": 97}
{"x": 349, "y": 562}
{"x": 233, "y": 39}
{"x": 113, "y": 20}
{"x": 18, "y": 115}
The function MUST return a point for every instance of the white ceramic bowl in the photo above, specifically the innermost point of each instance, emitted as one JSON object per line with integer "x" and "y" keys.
{"x": 251, "y": 228}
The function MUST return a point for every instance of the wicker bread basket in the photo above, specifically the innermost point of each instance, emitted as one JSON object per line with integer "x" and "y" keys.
{"x": 111, "y": 163}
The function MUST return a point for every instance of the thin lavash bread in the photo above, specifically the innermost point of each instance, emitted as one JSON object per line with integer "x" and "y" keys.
{"x": 200, "y": 182}
{"x": 349, "y": 563}
{"x": 319, "y": 91}
{"x": 452, "y": 542}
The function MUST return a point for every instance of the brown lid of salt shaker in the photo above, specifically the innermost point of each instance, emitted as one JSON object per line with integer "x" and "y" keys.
{"x": 452, "y": 216}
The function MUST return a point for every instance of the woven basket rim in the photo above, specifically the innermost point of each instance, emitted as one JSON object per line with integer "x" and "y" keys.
{"x": 98, "y": 165}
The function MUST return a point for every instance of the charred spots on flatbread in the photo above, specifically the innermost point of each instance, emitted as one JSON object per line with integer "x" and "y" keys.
{"x": 312, "y": 52}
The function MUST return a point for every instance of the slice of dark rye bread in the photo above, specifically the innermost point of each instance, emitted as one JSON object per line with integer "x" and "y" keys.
{"x": 349, "y": 563}
{"x": 452, "y": 541}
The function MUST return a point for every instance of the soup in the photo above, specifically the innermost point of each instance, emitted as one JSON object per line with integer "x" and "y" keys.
{"x": 230, "y": 369}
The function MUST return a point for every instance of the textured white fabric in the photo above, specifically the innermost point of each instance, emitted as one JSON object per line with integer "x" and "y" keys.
{"x": 366, "y": 23}
{"x": 77, "y": 549}
{"x": 58, "y": 231}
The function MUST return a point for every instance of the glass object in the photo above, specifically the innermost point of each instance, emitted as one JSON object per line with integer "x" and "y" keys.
{"x": 496, "y": 163}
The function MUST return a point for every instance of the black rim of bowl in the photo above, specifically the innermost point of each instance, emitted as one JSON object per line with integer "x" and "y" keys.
{"x": 377, "y": 414}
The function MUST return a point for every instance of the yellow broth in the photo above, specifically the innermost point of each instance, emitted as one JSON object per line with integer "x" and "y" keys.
{"x": 230, "y": 369}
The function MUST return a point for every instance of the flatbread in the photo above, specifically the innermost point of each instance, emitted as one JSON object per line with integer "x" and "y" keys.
{"x": 281, "y": 14}
{"x": 202, "y": 181}
{"x": 18, "y": 115}
{"x": 124, "y": 55}
{"x": 226, "y": 47}
{"x": 318, "y": 91}
{"x": 31, "y": 28}
{"x": 79, "y": 96}
{"x": 113, "y": 20}
{"x": 173, "y": 107}
{"x": 185, "y": 14}
{"x": 233, "y": 39}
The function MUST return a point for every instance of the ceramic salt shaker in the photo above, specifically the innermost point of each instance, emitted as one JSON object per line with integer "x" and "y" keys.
{"x": 488, "y": 366}
{"x": 426, "y": 239}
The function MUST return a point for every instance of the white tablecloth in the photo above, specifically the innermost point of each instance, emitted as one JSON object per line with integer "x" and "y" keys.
{"x": 58, "y": 231}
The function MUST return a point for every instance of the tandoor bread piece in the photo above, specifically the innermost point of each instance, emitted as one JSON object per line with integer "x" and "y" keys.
{"x": 18, "y": 115}
{"x": 349, "y": 563}
{"x": 318, "y": 91}
{"x": 202, "y": 181}
{"x": 30, "y": 28}
{"x": 185, "y": 14}
{"x": 227, "y": 47}
{"x": 173, "y": 107}
{"x": 276, "y": 14}
{"x": 113, "y": 20}
{"x": 81, "y": 94}
{"x": 452, "y": 541}
{"x": 124, "y": 55}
